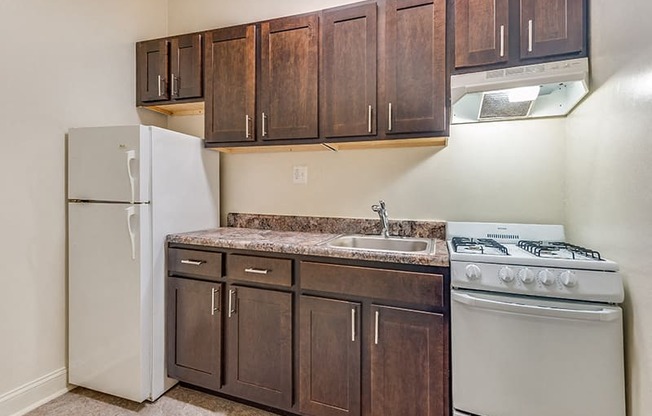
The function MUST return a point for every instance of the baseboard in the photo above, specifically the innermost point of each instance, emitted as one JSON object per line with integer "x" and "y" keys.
{"x": 31, "y": 395}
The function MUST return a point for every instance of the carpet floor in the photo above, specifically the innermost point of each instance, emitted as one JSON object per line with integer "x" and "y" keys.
{"x": 179, "y": 401}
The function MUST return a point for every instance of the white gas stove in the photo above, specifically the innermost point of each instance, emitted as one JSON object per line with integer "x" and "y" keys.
{"x": 529, "y": 259}
{"x": 529, "y": 310}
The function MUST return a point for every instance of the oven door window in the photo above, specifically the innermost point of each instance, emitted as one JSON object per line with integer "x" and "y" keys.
{"x": 514, "y": 356}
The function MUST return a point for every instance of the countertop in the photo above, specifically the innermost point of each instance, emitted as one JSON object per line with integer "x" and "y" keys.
{"x": 304, "y": 242}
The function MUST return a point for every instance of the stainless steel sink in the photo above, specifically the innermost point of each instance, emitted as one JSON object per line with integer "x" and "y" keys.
{"x": 379, "y": 243}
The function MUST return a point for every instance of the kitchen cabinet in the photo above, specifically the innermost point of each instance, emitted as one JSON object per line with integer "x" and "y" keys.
{"x": 481, "y": 32}
{"x": 513, "y": 32}
{"x": 406, "y": 347}
{"x": 259, "y": 345}
{"x": 169, "y": 70}
{"x": 416, "y": 81}
{"x": 289, "y": 73}
{"x": 329, "y": 357}
{"x": 194, "y": 317}
{"x": 409, "y": 362}
{"x": 349, "y": 53}
{"x": 230, "y": 105}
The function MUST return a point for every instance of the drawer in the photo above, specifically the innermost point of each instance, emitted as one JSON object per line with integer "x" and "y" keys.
{"x": 259, "y": 269}
{"x": 195, "y": 262}
{"x": 394, "y": 285}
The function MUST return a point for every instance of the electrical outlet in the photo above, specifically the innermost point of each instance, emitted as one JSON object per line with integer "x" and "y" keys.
{"x": 300, "y": 174}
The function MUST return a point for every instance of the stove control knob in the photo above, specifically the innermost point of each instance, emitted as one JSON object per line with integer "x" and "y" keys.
{"x": 526, "y": 276}
{"x": 568, "y": 278}
{"x": 546, "y": 277}
{"x": 506, "y": 274}
{"x": 473, "y": 272}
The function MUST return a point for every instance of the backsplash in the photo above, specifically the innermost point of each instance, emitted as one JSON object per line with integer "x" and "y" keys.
{"x": 404, "y": 228}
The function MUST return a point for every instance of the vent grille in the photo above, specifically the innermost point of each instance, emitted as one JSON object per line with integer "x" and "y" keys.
{"x": 496, "y": 106}
{"x": 504, "y": 236}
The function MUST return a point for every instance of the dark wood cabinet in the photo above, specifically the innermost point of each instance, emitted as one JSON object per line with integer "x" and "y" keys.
{"x": 230, "y": 104}
{"x": 409, "y": 363}
{"x": 481, "y": 32}
{"x": 289, "y": 73}
{"x": 349, "y": 53}
{"x": 551, "y": 27}
{"x": 518, "y": 32}
{"x": 415, "y": 67}
{"x": 329, "y": 357}
{"x": 152, "y": 71}
{"x": 169, "y": 70}
{"x": 258, "y": 352}
{"x": 194, "y": 331}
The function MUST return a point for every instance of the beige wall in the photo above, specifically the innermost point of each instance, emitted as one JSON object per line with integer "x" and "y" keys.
{"x": 64, "y": 63}
{"x": 609, "y": 165}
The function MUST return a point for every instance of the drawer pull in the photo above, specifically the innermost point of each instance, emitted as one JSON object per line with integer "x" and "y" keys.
{"x": 193, "y": 262}
{"x": 257, "y": 271}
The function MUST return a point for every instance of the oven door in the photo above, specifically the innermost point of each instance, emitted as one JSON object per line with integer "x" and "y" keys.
{"x": 519, "y": 356}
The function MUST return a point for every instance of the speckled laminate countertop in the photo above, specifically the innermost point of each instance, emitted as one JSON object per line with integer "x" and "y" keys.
{"x": 305, "y": 242}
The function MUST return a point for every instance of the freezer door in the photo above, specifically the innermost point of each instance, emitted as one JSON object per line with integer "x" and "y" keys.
{"x": 109, "y": 164}
{"x": 110, "y": 283}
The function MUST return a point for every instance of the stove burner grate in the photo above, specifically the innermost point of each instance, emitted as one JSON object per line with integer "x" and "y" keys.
{"x": 555, "y": 248}
{"x": 478, "y": 244}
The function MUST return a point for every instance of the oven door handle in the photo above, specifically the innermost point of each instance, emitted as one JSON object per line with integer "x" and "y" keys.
{"x": 599, "y": 314}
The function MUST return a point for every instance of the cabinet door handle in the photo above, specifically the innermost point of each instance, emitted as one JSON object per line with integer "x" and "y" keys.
{"x": 232, "y": 292}
{"x": 193, "y": 262}
{"x": 159, "y": 85}
{"x": 247, "y": 119}
{"x": 502, "y": 40}
{"x": 213, "y": 307}
{"x": 529, "y": 35}
{"x": 389, "y": 118}
{"x": 256, "y": 271}
{"x": 353, "y": 324}
{"x": 376, "y": 328}
{"x": 369, "y": 120}
{"x": 264, "y": 119}
{"x": 172, "y": 79}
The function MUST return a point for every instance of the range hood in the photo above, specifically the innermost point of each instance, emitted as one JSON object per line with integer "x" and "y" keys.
{"x": 541, "y": 90}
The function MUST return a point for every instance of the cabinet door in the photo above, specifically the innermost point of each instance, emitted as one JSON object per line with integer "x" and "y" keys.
{"x": 152, "y": 68}
{"x": 194, "y": 331}
{"x": 230, "y": 84}
{"x": 481, "y": 32}
{"x": 551, "y": 27}
{"x": 289, "y": 77}
{"x": 348, "y": 98}
{"x": 416, "y": 81}
{"x": 185, "y": 66}
{"x": 329, "y": 357}
{"x": 409, "y": 363}
{"x": 259, "y": 345}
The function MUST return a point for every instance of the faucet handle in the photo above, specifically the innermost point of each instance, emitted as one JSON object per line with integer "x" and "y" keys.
{"x": 378, "y": 208}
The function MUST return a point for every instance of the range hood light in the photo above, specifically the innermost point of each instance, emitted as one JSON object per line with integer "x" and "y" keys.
{"x": 521, "y": 94}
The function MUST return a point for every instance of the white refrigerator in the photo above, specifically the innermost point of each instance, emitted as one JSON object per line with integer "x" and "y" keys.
{"x": 128, "y": 187}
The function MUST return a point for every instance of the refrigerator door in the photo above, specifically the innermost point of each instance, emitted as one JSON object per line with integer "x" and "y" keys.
{"x": 109, "y": 164}
{"x": 110, "y": 299}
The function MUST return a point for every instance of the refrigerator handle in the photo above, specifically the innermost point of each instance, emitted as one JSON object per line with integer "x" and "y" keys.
{"x": 131, "y": 211}
{"x": 131, "y": 155}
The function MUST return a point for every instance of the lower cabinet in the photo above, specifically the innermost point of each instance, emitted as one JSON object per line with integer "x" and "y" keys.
{"x": 194, "y": 331}
{"x": 259, "y": 345}
{"x": 329, "y": 357}
{"x": 409, "y": 363}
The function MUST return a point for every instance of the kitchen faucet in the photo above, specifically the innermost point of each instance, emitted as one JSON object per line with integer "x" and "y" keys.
{"x": 382, "y": 213}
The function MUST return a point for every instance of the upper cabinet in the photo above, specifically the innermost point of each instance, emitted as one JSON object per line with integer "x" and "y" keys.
{"x": 416, "y": 80}
{"x": 230, "y": 110}
{"x": 551, "y": 27}
{"x": 513, "y": 32}
{"x": 289, "y": 78}
{"x": 169, "y": 70}
{"x": 349, "y": 73}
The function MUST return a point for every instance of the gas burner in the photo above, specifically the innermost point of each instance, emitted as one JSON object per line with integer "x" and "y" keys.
{"x": 557, "y": 249}
{"x": 478, "y": 246}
